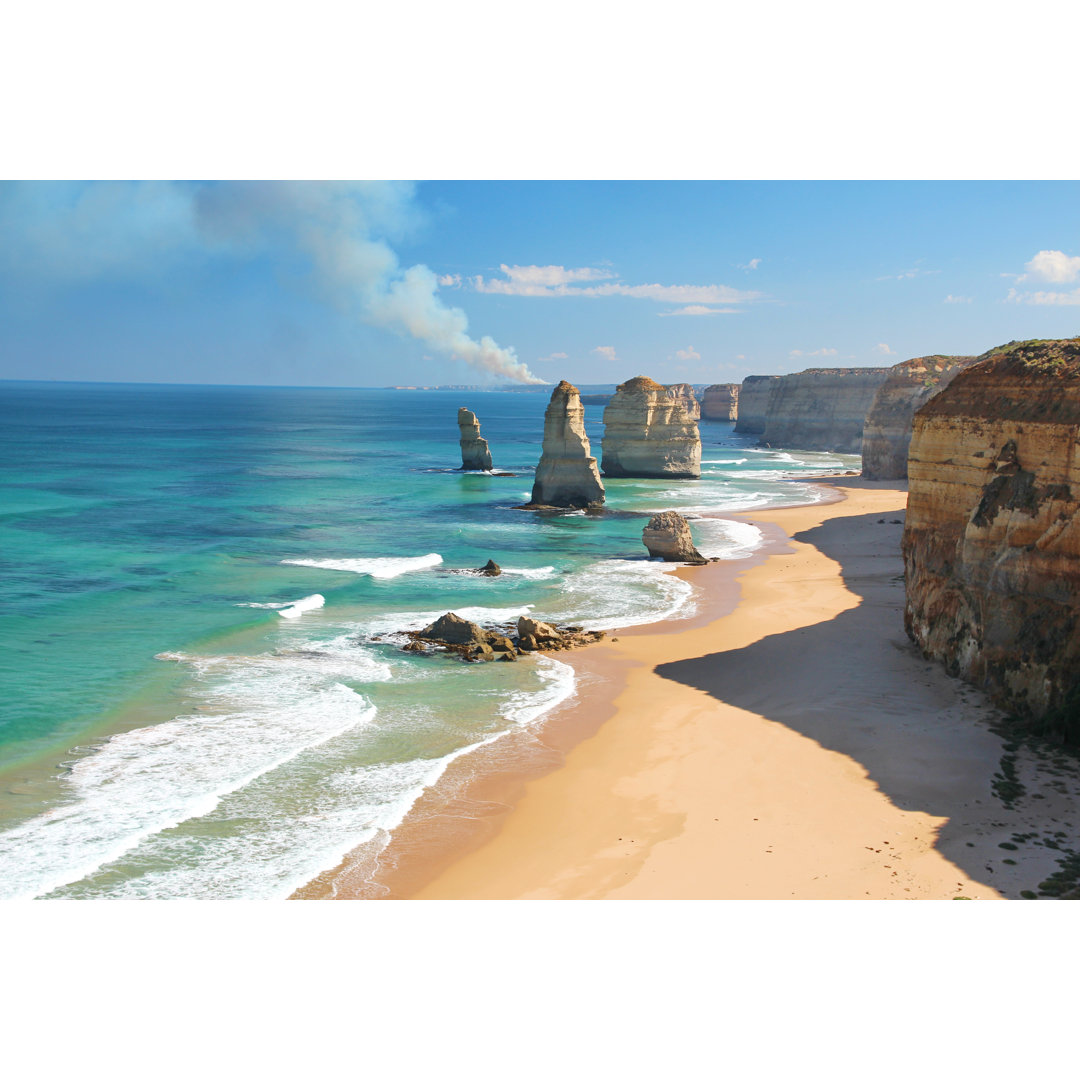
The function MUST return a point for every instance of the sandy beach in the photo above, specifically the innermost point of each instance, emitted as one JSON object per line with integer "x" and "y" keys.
{"x": 795, "y": 745}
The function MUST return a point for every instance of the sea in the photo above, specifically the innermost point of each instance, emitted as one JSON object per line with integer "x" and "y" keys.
{"x": 203, "y": 692}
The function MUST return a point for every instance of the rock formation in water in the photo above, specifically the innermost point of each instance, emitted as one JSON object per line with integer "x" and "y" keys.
{"x": 887, "y": 431}
{"x": 472, "y": 642}
{"x": 567, "y": 474}
{"x": 721, "y": 402}
{"x": 474, "y": 450}
{"x": 822, "y": 409}
{"x": 648, "y": 432}
{"x": 667, "y": 536}
{"x": 684, "y": 392}
{"x": 992, "y": 540}
{"x": 754, "y": 396}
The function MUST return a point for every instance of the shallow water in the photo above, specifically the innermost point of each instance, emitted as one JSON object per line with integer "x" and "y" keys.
{"x": 192, "y": 577}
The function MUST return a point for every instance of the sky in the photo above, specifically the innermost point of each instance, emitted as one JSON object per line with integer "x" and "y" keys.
{"x": 399, "y": 283}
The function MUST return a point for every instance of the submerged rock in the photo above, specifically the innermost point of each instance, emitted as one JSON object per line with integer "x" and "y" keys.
{"x": 648, "y": 431}
{"x": 668, "y": 537}
{"x": 721, "y": 402}
{"x": 567, "y": 474}
{"x": 474, "y": 450}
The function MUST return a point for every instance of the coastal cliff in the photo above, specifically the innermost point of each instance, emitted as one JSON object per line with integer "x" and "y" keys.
{"x": 822, "y": 408}
{"x": 721, "y": 402}
{"x": 887, "y": 431}
{"x": 566, "y": 474}
{"x": 754, "y": 397}
{"x": 649, "y": 432}
{"x": 474, "y": 450}
{"x": 992, "y": 540}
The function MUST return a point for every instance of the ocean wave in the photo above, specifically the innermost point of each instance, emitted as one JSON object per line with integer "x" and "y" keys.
{"x": 292, "y": 609}
{"x": 536, "y": 573}
{"x": 257, "y": 713}
{"x": 381, "y": 568}
{"x": 718, "y": 538}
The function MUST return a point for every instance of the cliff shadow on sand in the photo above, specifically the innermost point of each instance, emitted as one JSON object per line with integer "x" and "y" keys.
{"x": 856, "y": 685}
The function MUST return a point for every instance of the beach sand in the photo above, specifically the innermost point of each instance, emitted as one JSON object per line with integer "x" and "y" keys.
{"x": 791, "y": 745}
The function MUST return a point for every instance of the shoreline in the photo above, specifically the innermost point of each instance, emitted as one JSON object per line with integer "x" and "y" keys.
{"x": 683, "y": 769}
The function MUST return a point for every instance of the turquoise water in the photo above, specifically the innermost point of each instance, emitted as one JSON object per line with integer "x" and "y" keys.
{"x": 191, "y": 702}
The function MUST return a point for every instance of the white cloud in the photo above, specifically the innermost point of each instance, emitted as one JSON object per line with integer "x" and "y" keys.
{"x": 1055, "y": 299}
{"x": 1053, "y": 266}
{"x": 739, "y": 357}
{"x": 553, "y": 356}
{"x": 816, "y": 352}
{"x": 915, "y": 271}
{"x": 449, "y": 280}
{"x": 950, "y": 299}
{"x": 606, "y": 352}
{"x": 753, "y": 264}
{"x": 700, "y": 309}
{"x": 882, "y": 348}
{"x": 689, "y": 353}
{"x": 558, "y": 281}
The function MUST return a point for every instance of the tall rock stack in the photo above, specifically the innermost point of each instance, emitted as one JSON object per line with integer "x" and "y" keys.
{"x": 566, "y": 474}
{"x": 721, "y": 402}
{"x": 474, "y": 450}
{"x": 685, "y": 393}
{"x": 822, "y": 409}
{"x": 648, "y": 432}
{"x": 992, "y": 539}
{"x": 887, "y": 431}
{"x": 754, "y": 398}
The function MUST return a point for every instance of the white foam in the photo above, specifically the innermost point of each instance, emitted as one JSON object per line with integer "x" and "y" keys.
{"x": 381, "y": 568}
{"x": 560, "y": 682}
{"x": 257, "y": 713}
{"x": 308, "y": 603}
{"x": 292, "y": 609}
{"x": 537, "y": 573}
{"x": 718, "y": 538}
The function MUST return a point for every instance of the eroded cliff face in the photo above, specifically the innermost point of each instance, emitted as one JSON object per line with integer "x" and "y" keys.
{"x": 754, "y": 397}
{"x": 992, "y": 539}
{"x": 474, "y": 450}
{"x": 648, "y": 432}
{"x": 567, "y": 474}
{"x": 685, "y": 393}
{"x": 822, "y": 408}
{"x": 721, "y": 402}
{"x": 887, "y": 431}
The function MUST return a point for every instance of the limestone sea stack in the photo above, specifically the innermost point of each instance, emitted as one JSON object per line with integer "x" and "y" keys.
{"x": 822, "y": 409}
{"x": 992, "y": 539}
{"x": 887, "y": 431}
{"x": 567, "y": 474}
{"x": 649, "y": 432}
{"x": 685, "y": 393}
{"x": 668, "y": 537}
{"x": 754, "y": 397}
{"x": 721, "y": 402}
{"x": 474, "y": 450}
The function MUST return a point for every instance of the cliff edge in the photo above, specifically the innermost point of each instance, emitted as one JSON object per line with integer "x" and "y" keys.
{"x": 992, "y": 539}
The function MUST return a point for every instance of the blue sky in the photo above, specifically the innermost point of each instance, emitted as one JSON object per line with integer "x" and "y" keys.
{"x": 378, "y": 284}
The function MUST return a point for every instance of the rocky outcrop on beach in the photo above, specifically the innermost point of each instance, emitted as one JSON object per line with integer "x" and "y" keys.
{"x": 822, "y": 408}
{"x": 668, "y": 537}
{"x": 992, "y": 540}
{"x": 649, "y": 432}
{"x": 754, "y": 396}
{"x": 721, "y": 402}
{"x": 474, "y": 643}
{"x": 887, "y": 430}
{"x": 685, "y": 393}
{"x": 567, "y": 475}
{"x": 474, "y": 450}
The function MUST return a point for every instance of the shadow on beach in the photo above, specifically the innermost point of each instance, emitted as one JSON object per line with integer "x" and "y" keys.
{"x": 856, "y": 685}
